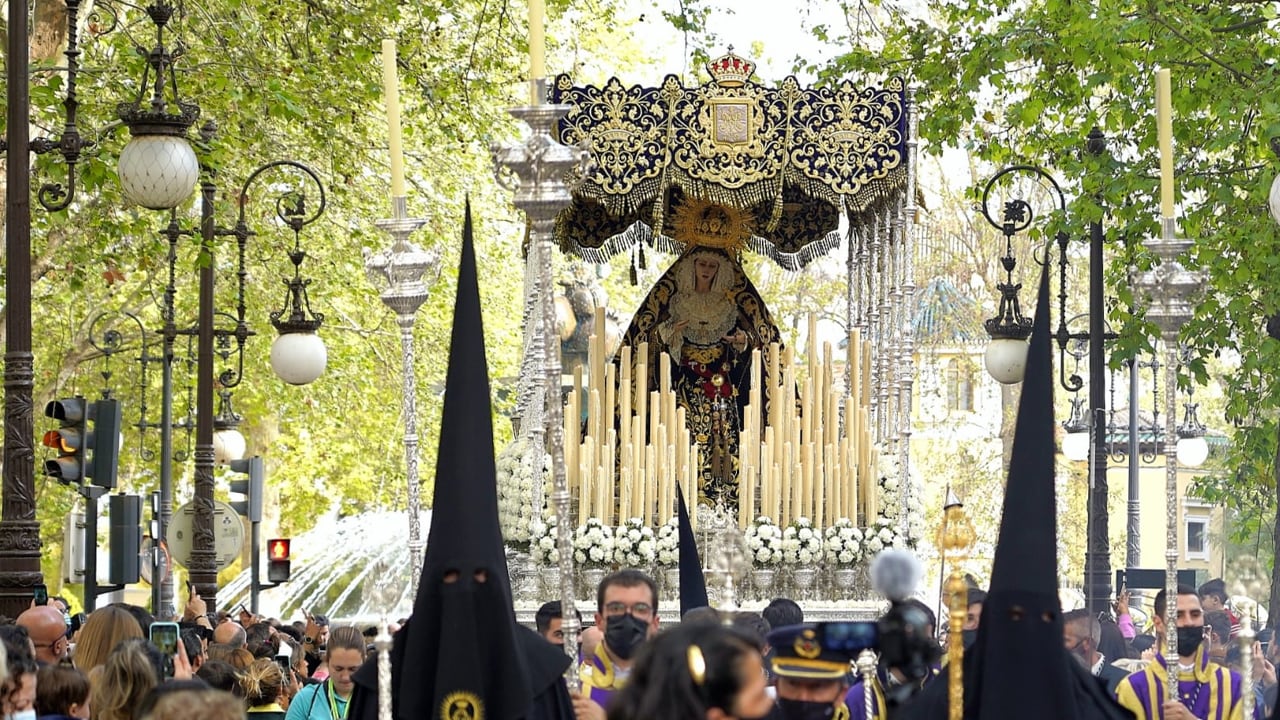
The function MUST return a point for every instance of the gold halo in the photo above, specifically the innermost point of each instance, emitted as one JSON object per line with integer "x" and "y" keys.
{"x": 706, "y": 224}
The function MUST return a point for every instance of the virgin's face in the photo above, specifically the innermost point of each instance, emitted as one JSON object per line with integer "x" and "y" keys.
{"x": 704, "y": 270}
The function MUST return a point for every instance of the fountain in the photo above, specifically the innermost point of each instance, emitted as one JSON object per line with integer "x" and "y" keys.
{"x": 339, "y": 568}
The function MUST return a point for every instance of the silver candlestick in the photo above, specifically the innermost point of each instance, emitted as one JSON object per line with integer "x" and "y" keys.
{"x": 401, "y": 269}
{"x": 1171, "y": 293}
{"x": 537, "y": 174}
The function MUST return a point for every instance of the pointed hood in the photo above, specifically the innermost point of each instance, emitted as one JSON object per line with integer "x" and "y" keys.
{"x": 693, "y": 584}
{"x": 461, "y": 650}
{"x": 1019, "y": 667}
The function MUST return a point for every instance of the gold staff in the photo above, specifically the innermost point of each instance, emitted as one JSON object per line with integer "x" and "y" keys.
{"x": 955, "y": 537}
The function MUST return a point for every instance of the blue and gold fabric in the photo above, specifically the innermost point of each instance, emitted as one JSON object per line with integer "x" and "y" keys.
{"x": 792, "y": 158}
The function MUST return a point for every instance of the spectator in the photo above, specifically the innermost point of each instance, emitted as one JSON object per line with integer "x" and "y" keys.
{"x": 130, "y": 672}
{"x": 194, "y": 646}
{"x": 756, "y": 627}
{"x": 19, "y": 687}
{"x": 240, "y": 659}
{"x": 328, "y": 700}
{"x": 260, "y": 640}
{"x": 62, "y": 693}
{"x": 1213, "y": 596}
{"x": 140, "y": 615}
{"x": 183, "y": 701}
{"x": 48, "y": 631}
{"x": 219, "y": 674}
{"x": 548, "y": 620}
{"x": 703, "y": 614}
{"x": 973, "y": 616}
{"x": 1219, "y": 625}
{"x": 781, "y": 612}
{"x": 230, "y": 633}
{"x": 698, "y": 670}
{"x": 104, "y": 629}
{"x": 263, "y": 684}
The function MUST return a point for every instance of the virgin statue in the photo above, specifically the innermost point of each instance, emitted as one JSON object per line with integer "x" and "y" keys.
{"x": 707, "y": 316}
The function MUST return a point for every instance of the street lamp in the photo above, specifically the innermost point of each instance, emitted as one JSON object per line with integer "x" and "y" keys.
{"x": 158, "y": 168}
{"x": 155, "y": 176}
{"x": 1009, "y": 330}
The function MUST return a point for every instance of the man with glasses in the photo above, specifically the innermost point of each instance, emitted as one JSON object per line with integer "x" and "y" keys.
{"x": 627, "y": 614}
{"x": 48, "y": 632}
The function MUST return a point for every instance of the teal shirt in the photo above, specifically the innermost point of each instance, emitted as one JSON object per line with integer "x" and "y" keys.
{"x": 312, "y": 703}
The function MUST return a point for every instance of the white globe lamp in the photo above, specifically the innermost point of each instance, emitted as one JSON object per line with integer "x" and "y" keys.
{"x": 1075, "y": 446}
{"x": 299, "y": 358}
{"x": 158, "y": 172}
{"x": 1192, "y": 451}
{"x": 228, "y": 445}
{"x": 1006, "y": 359}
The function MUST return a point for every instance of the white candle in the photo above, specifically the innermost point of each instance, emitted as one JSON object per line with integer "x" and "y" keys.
{"x": 1164, "y": 125}
{"x": 537, "y": 47}
{"x": 391, "y": 96}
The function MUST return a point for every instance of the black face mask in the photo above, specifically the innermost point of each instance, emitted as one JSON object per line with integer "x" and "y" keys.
{"x": 624, "y": 633}
{"x": 1189, "y": 639}
{"x": 968, "y": 638}
{"x": 805, "y": 709}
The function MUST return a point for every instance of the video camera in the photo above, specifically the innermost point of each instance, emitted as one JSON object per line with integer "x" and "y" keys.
{"x": 902, "y": 639}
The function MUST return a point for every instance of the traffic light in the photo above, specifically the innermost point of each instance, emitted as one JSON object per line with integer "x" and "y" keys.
{"x": 278, "y": 560}
{"x": 250, "y": 488}
{"x": 125, "y": 539}
{"x": 74, "y": 441}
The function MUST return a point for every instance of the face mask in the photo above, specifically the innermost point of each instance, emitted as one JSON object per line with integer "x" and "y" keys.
{"x": 624, "y": 633}
{"x": 805, "y": 709}
{"x": 28, "y": 714}
{"x": 1189, "y": 639}
{"x": 968, "y": 637}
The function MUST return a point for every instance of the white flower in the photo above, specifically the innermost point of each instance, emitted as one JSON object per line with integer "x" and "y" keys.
{"x": 806, "y": 533}
{"x": 845, "y": 557}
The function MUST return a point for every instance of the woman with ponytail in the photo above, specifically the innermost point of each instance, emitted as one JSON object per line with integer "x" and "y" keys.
{"x": 263, "y": 684}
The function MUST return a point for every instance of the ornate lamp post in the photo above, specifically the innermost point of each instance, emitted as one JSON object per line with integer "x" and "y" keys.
{"x": 401, "y": 269}
{"x": 540, "y": 167}
{"x": 1006, "y": 356}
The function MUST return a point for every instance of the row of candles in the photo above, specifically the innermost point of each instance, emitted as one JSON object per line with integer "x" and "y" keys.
{"x": 798, "y": 460}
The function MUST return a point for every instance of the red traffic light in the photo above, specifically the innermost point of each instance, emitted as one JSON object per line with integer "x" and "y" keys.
{"x": 278, "y": 549}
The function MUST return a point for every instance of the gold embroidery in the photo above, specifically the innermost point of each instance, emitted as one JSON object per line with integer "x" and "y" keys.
{"x": 462, "y": 705}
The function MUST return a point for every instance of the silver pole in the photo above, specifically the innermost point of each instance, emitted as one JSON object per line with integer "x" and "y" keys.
{"x": 401, "y": 269}
{"x": 1171, "y": 292}
{"x": 536, "y": 173}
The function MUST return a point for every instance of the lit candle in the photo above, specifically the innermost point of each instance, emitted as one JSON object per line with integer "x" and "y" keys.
{"x": 1164, "y": 124}
{"x": 391, "y": 95}
{"x": 537, "y": 45}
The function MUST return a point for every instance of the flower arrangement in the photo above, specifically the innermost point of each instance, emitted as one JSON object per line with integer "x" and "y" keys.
{"x": 542, "y": 541}
{"x": 633, "y": 544}
{"x": 893, "y": 499}
{"x": 885, "y": 533}
{"x": 801, "y": 543}
{"x": 667, "y": 545}
{"x": 764, "y": 543}
{"x": 843, "y": 544}
{"x": 593, "y": 544}
{"x": 516, "y": 477}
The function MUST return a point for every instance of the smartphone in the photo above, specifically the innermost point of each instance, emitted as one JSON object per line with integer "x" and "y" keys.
{"x": 164, "y": 635}
{"x": 41, "y": 595}
{"x": 77, "y": 621}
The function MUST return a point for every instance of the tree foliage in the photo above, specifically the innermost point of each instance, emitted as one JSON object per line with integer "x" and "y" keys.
{"x": 1025, "y": 82}
{"x": 301, "y": 80}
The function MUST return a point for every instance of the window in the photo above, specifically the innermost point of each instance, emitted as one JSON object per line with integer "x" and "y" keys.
{"x": 1197, "y": 547}
{"x": 959, "y": 380}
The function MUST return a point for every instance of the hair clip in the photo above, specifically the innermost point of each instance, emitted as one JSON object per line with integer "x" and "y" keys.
{"x": 697, "y": 665}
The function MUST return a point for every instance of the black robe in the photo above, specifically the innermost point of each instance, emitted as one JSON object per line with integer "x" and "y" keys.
{"x": 545, "y": 662}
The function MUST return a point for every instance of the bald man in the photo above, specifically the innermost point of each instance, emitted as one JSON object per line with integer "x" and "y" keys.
{"x": 48, "y": 631}
{"x": 230, "y": 633}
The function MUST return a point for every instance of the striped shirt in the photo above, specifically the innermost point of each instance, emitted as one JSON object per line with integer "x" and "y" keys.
{"x": 1210, "y": 691}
